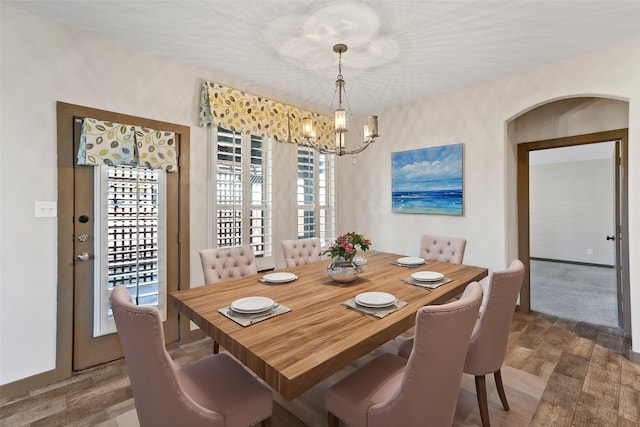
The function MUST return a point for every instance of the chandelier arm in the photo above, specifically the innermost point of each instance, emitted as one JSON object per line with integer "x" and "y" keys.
{"x": 360, "y": 149}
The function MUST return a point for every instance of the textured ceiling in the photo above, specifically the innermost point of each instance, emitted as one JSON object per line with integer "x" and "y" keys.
{"x": 399, "y": 50}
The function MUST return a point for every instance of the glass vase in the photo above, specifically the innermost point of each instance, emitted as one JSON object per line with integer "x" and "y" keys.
{"x": 343, "y": 271}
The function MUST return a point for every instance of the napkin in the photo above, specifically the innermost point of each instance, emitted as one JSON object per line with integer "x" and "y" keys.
{"x": 378, "y": 312}
{"x": 428, "y": 285}
{"x": 249, "y": 319}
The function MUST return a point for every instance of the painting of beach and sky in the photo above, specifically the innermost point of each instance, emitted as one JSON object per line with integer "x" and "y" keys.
{"x": 428, "y": 180}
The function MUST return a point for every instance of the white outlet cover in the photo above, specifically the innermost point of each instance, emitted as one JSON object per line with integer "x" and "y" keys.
{"x": 46, "y": 209}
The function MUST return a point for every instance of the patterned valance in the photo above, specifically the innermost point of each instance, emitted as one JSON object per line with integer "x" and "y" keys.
{"x": 113, "y": 143}
{"x": 245, "y": 113}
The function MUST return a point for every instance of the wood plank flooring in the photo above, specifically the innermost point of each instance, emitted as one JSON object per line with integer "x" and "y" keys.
{"x": 557, "y": 373}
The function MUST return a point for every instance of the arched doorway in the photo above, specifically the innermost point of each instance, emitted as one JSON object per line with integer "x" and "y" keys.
{"x": 563, "y": 123}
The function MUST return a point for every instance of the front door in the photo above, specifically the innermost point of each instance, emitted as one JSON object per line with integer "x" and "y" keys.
{"x": 125, "y": 232}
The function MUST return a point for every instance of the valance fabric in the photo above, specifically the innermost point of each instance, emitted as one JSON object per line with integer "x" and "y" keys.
{"x": 246, "y": 113}
{"x": 111, "y": 143}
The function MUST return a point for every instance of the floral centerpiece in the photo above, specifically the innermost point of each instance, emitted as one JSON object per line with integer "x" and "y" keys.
{"x": 344, "y": 250}
{"x": 347, "y": 245}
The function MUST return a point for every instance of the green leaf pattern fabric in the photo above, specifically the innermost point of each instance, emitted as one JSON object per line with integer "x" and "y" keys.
{"x": 110, "y": 143}
{"x": 106, "y": 143}
{"x": 156, "y": 149}
{"x": 246, "y": 113}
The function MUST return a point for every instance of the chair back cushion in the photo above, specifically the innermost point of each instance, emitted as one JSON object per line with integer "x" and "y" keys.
{"x": 157, "y": 392}
{"x": 301, "y": 251}
{"x": 427, "y": 392}
{"x": 489, "y": 340}
{"x": 437, "y": 248}
{"x": 223, "y": 264}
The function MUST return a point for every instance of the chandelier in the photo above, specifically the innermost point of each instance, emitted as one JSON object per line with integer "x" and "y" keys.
{"x": 340, "y": 123}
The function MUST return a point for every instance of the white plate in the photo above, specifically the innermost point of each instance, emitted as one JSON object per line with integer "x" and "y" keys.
{"x": 427, "y": 276}
{"x": 410, "y": 260}
{"x": 252, "y": 304}
{"x": 279, "y": 277}
{"x": 360, "y": 260}
{"x": 375, "y": 299}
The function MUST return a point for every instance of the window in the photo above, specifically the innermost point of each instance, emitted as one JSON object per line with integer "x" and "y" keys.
{"x": 315, "y": 195}
{"x": 243, "y": 186}
{"x": 130, "y": 238}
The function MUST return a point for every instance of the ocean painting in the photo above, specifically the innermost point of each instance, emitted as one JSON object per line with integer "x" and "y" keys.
{"x": 427, "y": 180}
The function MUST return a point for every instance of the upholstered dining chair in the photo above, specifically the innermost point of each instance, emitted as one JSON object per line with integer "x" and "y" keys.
{"x": 439, "y": 248}
{"x": 422, "y": 390}
{"x": 488, "y": 343}
{"x": 301, "y": 251}
{"x": 215, "y": 391}
{"x": 226, "y": 263}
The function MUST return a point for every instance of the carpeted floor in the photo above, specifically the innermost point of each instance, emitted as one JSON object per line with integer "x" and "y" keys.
{"x": 576, "y": 292}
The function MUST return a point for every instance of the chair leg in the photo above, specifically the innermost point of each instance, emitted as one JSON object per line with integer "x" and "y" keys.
{"x": 216, "y": 347}
{"x": 332, "y": 420}
{"x": 503, "y": 397}
{"x": 481, "y": 393}
{"x": 266, "y": 422}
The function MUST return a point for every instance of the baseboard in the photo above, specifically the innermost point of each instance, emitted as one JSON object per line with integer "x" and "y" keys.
{"x": 561, "y": 261}
{"x": 23, "y": 385}
{"x": 634, "y": 357}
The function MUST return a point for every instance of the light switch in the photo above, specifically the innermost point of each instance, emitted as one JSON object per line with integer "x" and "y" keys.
{"x": 46, "y": 209}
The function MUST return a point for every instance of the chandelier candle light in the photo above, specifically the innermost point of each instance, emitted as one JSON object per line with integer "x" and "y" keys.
{"x": 340, "y": 120}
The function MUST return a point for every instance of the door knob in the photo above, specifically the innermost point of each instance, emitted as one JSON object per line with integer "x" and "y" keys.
{"x": 84, "y": 256}
{"x": 611, "y": 237}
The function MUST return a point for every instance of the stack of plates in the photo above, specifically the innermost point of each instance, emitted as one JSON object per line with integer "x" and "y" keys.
{"x": 410, "y": 261}
{"x": 427, "y": 276}
{"x": 375, "y": 299}
{"x": 279, "y": 277}
{"x": 251, "y": 305}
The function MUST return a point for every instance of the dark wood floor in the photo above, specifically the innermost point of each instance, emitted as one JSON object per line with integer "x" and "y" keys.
{"x": 584, "y": 371}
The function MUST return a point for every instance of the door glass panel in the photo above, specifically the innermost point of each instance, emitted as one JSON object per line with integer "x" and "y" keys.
{"x": 130, "y": 248}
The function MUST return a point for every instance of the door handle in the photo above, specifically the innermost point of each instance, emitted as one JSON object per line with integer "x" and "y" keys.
{"x": 84, "y": 256}
{"x": 611, "y": 237}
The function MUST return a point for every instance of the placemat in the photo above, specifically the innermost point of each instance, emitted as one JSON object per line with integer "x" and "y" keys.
{"x": 378, "y": 312}
{"x": 250, "y": 319}
{"x": 428, "y": 285}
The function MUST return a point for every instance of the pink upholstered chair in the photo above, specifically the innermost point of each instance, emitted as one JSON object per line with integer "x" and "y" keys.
{"x": 226, "y": 263}
{"x": 214, "y": 391}
{"x": 301, "y": 251}
{"x": 437, "y": 248}
{"x": 489, "y": 340}
{"x": 423, "y": 390}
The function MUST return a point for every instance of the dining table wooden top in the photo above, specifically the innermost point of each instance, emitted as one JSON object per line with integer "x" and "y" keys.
{"x": 296, "y": 350}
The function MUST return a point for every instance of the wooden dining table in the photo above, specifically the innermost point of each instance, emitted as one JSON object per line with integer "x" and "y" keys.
{"x": 296, "y": 350}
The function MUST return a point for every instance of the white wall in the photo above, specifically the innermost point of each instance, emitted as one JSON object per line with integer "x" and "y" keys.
{"x": 479, "y": 117}
{"x": 572, "y": 210}
{"x": 43, "y": 62}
